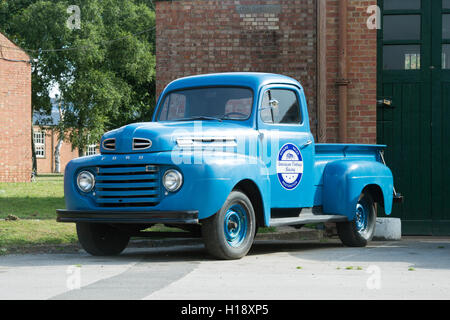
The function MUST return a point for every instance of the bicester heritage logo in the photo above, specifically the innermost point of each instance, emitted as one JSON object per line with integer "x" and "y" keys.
{"x": 290, "y": 166}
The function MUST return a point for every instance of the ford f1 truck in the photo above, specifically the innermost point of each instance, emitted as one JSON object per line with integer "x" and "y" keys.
{"x": 223, "y": 155}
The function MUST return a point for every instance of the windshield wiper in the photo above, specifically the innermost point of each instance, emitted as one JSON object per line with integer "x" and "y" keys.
{"x": 200, "y": 118}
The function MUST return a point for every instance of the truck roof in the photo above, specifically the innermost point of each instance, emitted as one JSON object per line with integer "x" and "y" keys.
{"x": 254, "y": 80}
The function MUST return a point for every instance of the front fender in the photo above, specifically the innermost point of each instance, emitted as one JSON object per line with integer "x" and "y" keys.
{"x": 220, "y": 173}
{"x": 344, "y": 181}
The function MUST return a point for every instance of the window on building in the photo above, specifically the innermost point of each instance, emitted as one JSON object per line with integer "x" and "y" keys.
{"x": 402, "y": 4}
{"x": 91, "y": 150}
{"x": 39, "y": 143}
{"x": 401, "y": 57}
{"x": 402, "y": 36}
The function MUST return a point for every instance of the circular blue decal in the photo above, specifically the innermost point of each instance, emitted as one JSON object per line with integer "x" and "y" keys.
{"x": 290, "y": 166}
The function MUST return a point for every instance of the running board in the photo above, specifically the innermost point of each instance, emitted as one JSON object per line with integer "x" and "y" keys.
{"x": 306, "y": 217}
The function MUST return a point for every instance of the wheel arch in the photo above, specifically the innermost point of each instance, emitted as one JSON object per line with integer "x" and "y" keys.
{"x": 251, "y": 190}
{"x": 375, "y": 191}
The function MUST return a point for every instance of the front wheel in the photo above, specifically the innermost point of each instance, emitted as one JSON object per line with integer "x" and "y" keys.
{"x": 229, "y": 233}
{"x": 101, "y": 239}
{"x": 360, "y": 231}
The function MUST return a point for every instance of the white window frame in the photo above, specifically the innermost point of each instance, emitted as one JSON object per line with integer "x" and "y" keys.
{"x": 39, "y": 144}
{"x": 91, "y": 150}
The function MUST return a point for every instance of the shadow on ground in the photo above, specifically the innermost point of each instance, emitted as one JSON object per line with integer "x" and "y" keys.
{"x": 417, "y": 253}
{"x": 425, "y": 253}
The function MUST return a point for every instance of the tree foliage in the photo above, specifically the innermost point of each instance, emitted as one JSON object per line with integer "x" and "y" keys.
{"x": 105, "y": 70}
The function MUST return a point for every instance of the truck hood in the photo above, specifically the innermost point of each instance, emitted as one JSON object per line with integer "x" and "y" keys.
{"x": 165, "y": 136}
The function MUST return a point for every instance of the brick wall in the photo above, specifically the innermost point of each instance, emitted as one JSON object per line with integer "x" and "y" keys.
{"x": 362, "y": 73}
{"x": 15, "y": 114}
{"x": 195, "y": 37}
{"x": 198, "y": 37}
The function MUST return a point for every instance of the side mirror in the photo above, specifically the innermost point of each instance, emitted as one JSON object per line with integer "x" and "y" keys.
{"x": 273, "y": 104}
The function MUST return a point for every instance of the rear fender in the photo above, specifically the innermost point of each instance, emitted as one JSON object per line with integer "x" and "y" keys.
{"x": 345, "y": 180}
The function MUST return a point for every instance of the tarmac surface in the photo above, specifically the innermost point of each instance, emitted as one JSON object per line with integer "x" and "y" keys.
{"x": 414, "y": 268}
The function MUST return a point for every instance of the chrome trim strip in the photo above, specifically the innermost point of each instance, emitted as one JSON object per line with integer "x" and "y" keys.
{"x": 110, "y": 140}
{"x": 207, "y": 142}
{"x": 144, "y": 144}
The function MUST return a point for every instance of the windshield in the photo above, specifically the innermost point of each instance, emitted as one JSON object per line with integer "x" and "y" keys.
{"x": 217, "y": 103}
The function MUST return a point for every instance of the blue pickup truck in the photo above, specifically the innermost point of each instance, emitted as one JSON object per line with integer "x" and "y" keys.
{"x": 223, "y": 155}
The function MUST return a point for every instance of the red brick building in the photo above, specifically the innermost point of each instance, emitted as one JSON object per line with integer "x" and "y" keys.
{"x": 302, "y": 39}
{"x": 45, "y": 141}
{"x": 15, "y": 113}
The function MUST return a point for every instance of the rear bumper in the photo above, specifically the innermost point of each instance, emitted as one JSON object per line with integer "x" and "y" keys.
{"x": 166, "y": 217}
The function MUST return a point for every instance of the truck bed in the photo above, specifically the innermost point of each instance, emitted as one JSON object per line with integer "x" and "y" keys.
{"x": 331, "y": 151}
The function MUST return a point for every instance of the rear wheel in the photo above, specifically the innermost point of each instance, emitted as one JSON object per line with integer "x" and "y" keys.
{"x": 102, "y": 239}
{"x": 360, "y": 231}
{"x": 229, "y": 233}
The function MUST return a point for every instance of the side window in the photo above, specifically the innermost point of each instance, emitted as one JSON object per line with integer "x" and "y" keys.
{"x": 174, "y": 107}
{"x": 280, "y": 106}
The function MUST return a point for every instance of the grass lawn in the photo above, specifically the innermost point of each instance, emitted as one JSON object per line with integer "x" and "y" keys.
{"x": 35, "y": 205}
{"x": 32, "y": 200}
{"x": 23, "y": 234}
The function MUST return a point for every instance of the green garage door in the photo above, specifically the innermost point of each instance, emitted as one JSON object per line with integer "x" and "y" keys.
{"x": 414, "y": 73}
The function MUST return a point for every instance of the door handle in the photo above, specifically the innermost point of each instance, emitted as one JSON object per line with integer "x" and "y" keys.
{"x": 308, "y": 143}
{"x": 387, "y": 103}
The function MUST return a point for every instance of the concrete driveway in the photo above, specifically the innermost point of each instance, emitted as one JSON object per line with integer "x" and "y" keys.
{"x": 409, "y": 269}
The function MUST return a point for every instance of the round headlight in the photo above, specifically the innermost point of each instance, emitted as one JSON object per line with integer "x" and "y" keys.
{"x": 85, "y": 181}
{"x": 172, "y": 180}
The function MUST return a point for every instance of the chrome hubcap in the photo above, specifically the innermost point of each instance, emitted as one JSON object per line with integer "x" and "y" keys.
{"x": 361, "y": 218}
{"x": 235, "y": 225}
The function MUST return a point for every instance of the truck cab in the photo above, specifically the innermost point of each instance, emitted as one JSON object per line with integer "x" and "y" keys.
{"x": 223, "y": 155}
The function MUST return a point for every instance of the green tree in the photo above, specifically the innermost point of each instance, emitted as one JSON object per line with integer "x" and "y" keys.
{"x": 105, "y": 70}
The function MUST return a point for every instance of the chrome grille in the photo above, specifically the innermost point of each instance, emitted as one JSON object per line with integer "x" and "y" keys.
{"x": 141, "y": 143}
{"x": 109, "y": 144}
{"x": 127, "y": 186}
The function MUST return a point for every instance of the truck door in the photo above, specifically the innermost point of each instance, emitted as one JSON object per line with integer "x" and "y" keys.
{"x": 286, "y": 145}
